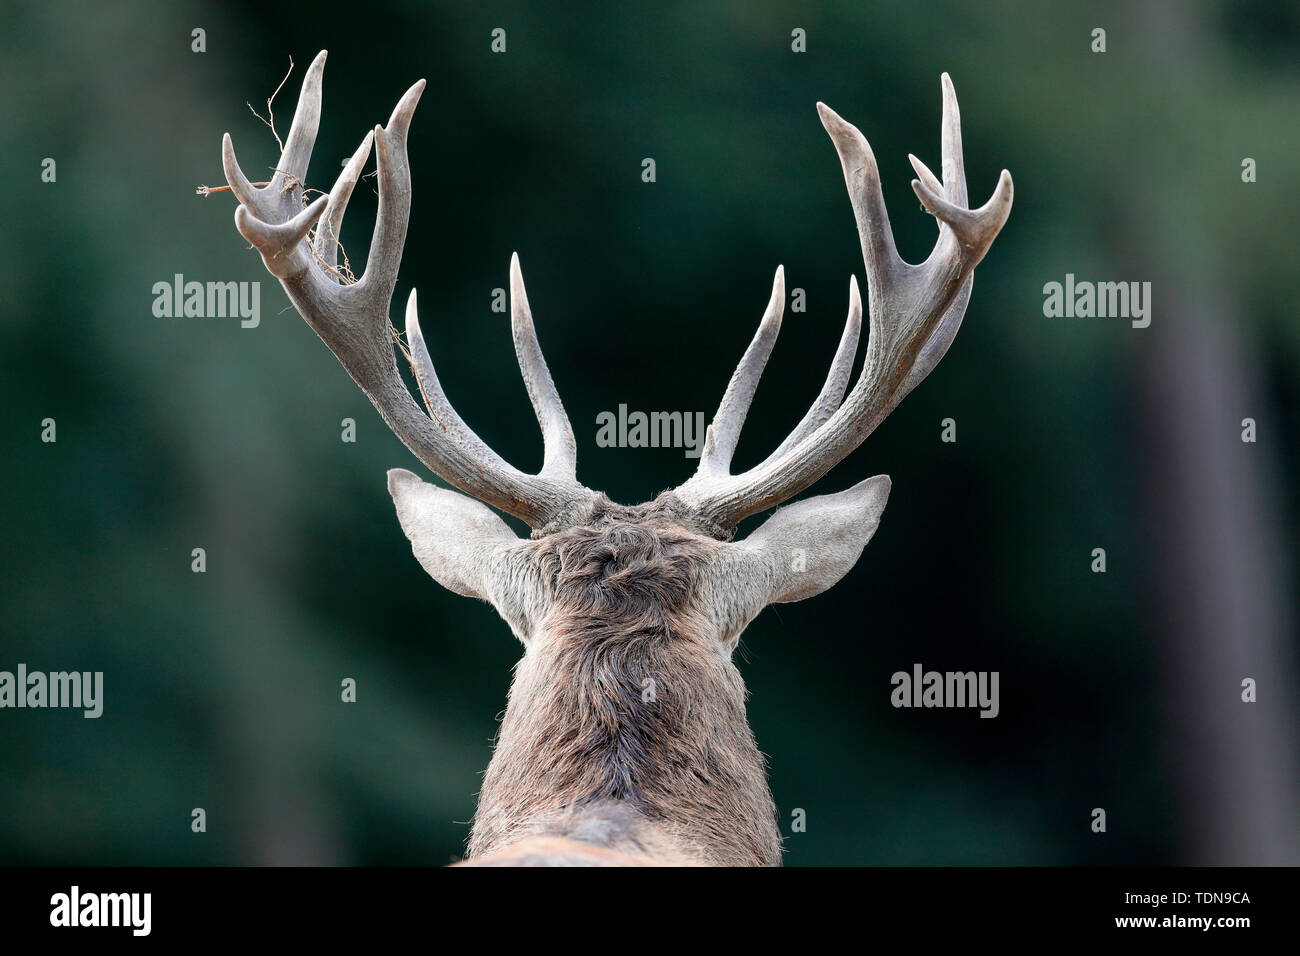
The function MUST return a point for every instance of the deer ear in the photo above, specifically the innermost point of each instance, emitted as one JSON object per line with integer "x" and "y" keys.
{"x": 459, "y": 541}
{"x": 806, "y": 547}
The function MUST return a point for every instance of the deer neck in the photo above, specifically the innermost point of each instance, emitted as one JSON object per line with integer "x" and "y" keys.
{"x": 630, "y": 739}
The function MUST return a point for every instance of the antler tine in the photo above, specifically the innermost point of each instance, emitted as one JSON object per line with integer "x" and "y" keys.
{"x": 272, "y": 218}
{"x": 281, "y": 244}
{"x": 923, "y": 173}
{"x": 915, "y": 311}
{"x": 954, "y": 167}
{"x": 862, "y": 177}
{"x": 724, "y": 432}
{"x": 352, "y": 319}
{"x": 560, "y": 457}
{"x": 975, "y": 229}
{"x": 244, "y": 191}
{"x": 394, "y": 199}
{"x": 286, "y": 188}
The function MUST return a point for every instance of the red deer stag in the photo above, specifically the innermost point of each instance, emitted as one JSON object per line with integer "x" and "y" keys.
{"x": 625, "y": 740}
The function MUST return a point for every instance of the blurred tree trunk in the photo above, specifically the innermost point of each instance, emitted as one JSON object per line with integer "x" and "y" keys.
{"x": 1213, "y": 513}
{"x": 1223, "y": 612}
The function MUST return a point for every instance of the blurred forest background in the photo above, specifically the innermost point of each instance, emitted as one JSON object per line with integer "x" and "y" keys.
{"x": 1119, "y": 690}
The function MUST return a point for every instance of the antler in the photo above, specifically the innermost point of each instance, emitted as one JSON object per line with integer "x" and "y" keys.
{"x": 352, "y": 319}
{"x": 915, "y": 311}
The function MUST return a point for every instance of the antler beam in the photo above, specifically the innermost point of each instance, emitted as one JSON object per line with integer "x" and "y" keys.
{"x": 353, "y": 319}
{"x": 914, "y": 313}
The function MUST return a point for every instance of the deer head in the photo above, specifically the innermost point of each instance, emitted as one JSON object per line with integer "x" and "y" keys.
{"x": 625, "y": 737}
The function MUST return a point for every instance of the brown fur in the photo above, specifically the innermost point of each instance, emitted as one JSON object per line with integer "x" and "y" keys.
{"x": 554, "y": 851}
{"x": 584, "y": 754}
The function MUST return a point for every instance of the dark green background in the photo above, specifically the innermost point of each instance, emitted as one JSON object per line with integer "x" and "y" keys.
{"x": 222, "y": 689}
